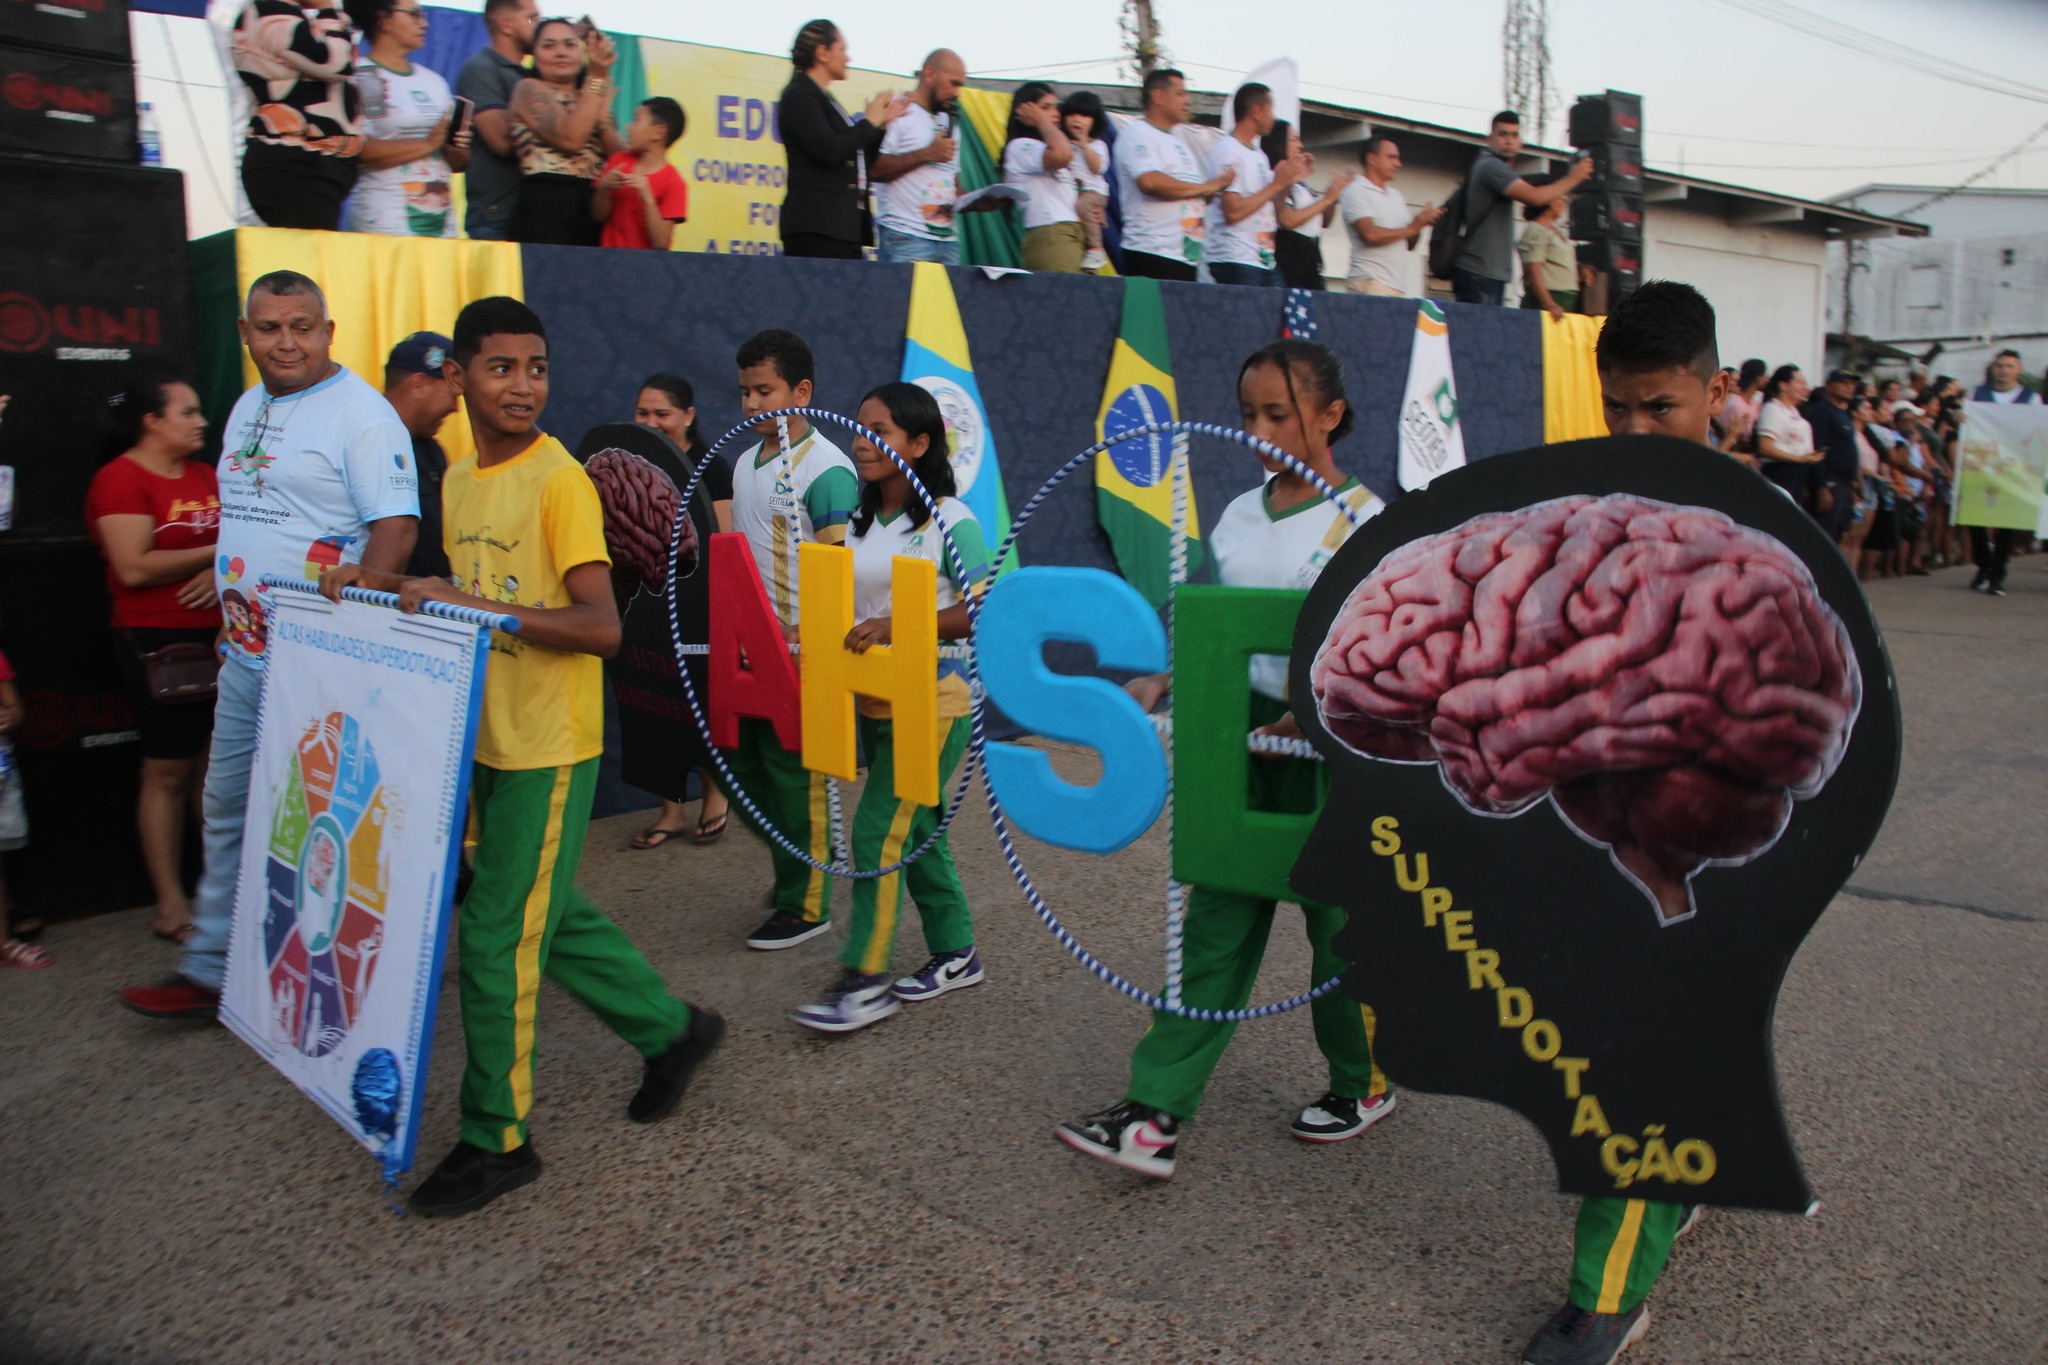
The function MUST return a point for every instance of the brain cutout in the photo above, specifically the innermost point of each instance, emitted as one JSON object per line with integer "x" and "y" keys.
{"x": 1669, "y": 678}
{"x": 640, "y": 506}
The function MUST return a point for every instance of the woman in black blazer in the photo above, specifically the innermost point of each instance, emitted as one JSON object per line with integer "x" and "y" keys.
{"x": 825, "y": 209}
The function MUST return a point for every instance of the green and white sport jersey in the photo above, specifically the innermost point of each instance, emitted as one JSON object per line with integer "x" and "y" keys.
{"x": 1257, "y": 547}
{"x": 817, "y": 484}
{"x": 873, "y": 557}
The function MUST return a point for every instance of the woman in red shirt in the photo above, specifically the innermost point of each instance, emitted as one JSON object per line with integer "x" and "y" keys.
{"x": 155, "y": 513}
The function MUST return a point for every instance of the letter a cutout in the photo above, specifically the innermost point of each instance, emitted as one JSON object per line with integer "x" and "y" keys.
{"x": 764, "y": 685}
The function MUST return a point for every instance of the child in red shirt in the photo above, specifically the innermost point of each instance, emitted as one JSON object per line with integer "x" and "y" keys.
{"x": 640, "y": 198}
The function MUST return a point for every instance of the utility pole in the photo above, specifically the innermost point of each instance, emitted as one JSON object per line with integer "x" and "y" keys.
{"x": 1141, "y": 37}
{"x": 1525, "y": 65}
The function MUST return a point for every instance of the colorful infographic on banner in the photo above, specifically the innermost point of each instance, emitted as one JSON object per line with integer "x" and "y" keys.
{"x": 2002, "y": 478}
{"x": 355, "y": 821}
{"x": 1609, "y": 724}
{"x": 730, "y": 156}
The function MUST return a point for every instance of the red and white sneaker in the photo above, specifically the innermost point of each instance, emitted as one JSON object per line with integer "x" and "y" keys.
{"x": 1131, "y": 1135}
{"x": 1334, "y": 1118}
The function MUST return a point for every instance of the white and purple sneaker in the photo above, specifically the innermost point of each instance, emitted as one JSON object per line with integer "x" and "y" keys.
{"x": 946, "y": 972}
{"x": 854, "y": 1003}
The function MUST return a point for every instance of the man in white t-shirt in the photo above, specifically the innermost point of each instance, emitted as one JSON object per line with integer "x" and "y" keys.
{"x": 917, "y": 171}
{"x": 1242, "y": 219}
{"x": 1162, "y": 186}
{"x": 1383, "y": 229}
{"x": 315, "y": 470}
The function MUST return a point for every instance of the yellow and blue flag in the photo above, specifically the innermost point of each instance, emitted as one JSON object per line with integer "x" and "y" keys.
{"x": 935, "y": 359}
{"x": 1133, "y": 479}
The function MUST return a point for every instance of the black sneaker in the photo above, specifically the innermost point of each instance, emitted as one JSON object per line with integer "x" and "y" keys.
{"x": 664, "y": 1079}
{"x": 784, "y": 930}
{"x": 1997, "y": 589}
{"x": 1334, "y": 1118}
{"x": 1131, "y": 1135}
{"x": 1980, "y": 582}
{"x": 470, "y": 1177}
{"x": 1575, "y": 1337}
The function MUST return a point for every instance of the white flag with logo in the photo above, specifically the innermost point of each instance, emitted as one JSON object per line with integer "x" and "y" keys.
{"x": 1431, "y": 439}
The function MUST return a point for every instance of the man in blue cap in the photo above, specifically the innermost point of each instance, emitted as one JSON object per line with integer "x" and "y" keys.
{"x": 419, "y": 392}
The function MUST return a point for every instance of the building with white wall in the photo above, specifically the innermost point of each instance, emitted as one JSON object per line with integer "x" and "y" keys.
{"x": 1976, "y": 285}
{"x": 1760, "y": 257}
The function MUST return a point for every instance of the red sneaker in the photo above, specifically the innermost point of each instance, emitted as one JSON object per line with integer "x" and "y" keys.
{"x": 172, "y": 998}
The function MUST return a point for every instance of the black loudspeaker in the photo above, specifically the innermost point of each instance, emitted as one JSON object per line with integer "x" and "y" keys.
{"x": 1616, "y": 258}
{"x": 1607, "y": 217}
{"x": 96, "y": 26}
{"x": 92, "y": 292}
{"x": 79, "y": 754}
{"x": 66, "y": 104}
{"x": 1613, "y": 117}
{"x": 1617, "y": 169}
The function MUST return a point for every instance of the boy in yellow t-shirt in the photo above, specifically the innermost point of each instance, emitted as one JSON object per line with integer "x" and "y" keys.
{"x": 525, "y": 538}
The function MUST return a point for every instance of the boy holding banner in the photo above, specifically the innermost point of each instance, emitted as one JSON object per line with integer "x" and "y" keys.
{"x": 523, "y": 525}
{"x": 780, "y": 499}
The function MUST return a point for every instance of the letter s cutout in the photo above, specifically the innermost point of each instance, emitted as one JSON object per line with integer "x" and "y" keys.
{"x": 1026, "y": 610}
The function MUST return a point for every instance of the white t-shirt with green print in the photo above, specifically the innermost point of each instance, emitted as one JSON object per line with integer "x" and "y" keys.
{"x": 1257, "y": 547}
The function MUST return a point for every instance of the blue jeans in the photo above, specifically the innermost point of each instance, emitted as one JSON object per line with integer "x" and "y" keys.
{"x": 489, "y": 222}
{"x": 901, "y": 248}
{"x": 1467, "y": 287}
{"x": 1236, "y": 272}
{"x": 225, "y": 808}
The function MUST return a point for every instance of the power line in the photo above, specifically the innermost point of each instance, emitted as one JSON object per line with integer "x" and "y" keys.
{"x": 1825, "y": 29}
{"x": 1958, "y": 188}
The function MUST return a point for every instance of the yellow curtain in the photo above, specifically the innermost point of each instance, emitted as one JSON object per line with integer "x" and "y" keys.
{"x": 382, "y": 289}
{"x": 1571, "y": 381}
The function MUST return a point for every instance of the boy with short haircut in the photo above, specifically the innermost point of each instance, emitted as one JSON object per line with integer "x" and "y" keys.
{"x": 1660, "y": 375}
{"x": 639, "y": 197}
{"x": 524, "y": 528}
{"x": 780, "y": 499}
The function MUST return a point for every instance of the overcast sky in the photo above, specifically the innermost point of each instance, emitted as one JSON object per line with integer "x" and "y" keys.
{"x": 1735, "y": 98}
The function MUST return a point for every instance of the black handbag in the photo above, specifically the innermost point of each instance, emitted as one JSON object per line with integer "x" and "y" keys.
{"x": 181, "y": 674}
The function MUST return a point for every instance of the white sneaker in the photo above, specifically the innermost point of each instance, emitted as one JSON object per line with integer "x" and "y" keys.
{"x": 854, "y": 1003}
{"x": 1094, "y": 260}
{"x": 1334, "y": 1118}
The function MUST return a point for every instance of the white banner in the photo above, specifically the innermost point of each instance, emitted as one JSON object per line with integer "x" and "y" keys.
{"x": 1283, "y": 77}
{"x": 1431, "y": 439}
{"x": 357, "y": 802}
{"x": 2003, "y": 466}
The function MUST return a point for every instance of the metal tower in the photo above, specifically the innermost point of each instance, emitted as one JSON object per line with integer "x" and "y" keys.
{"x": 1525, "y": 66}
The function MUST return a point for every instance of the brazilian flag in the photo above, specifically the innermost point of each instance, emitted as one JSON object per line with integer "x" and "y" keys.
{"x": 1134, "y": 478}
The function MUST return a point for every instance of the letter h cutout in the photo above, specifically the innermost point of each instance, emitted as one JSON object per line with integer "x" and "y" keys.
{"x": 904, "y": 673}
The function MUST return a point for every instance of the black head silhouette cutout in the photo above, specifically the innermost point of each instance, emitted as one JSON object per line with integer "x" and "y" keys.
{"x": 1609, "y": 723}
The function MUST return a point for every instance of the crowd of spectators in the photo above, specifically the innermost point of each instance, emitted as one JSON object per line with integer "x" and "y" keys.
{"x": 347, "y": 130}
{"x": 1873, "y": 461}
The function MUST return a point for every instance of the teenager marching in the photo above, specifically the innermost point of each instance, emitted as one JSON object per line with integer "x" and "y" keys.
{"x": 780, "y": 499}
{"x": 892, "y": 521}
{"x": 522, "y": 508}
{"x": 1279, "y": 535}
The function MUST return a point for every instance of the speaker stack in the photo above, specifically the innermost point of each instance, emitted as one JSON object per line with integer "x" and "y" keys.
{"x": 92, "y": 292}
{"x": 1607, "y": 211}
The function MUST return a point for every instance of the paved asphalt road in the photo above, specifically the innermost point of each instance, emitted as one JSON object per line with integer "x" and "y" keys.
{"x": 896, "y": 1195}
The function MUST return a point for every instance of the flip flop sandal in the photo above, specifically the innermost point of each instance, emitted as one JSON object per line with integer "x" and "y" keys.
{"x": 30, "y": 957}
{"x": 179, "y": 935}
{"x": 655, "y": 837}
{"x": 709, "y": 831}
